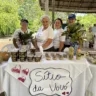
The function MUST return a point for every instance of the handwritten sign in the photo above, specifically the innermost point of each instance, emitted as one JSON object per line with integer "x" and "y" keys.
{"x": 50, "y": 81}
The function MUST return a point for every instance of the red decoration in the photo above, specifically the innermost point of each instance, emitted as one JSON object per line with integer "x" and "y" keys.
{"x": 22, "y": 79}
{"x": 25, "y": 71}
{"x": 15, "y": 69}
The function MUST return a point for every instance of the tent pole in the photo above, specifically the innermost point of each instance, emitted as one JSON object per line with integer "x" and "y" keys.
{"x": 53, "y": 11}
{"x": 47, "y": 7}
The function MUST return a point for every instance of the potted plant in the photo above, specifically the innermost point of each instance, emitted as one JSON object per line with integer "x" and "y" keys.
{"x": 25, "y": 38}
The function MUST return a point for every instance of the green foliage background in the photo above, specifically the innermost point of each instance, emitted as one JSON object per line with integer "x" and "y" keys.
{"x": 11, "y": 11}
{"x": 8, "y": 16}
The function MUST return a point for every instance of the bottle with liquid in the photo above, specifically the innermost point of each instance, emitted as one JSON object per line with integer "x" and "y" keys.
{"x": 78, "y": 54}
{"x": 71, "y": 53}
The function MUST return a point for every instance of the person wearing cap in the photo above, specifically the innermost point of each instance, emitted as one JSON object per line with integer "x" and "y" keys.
{"x": 71, "y": 20}
{"x": 23, "y": 29}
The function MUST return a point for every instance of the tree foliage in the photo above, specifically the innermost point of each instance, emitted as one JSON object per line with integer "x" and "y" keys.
{"x": 8, "y": 16}
{"x": 11, "y": 11}
{"x": 88, "y": 20}
{"x": 30, "y": 10}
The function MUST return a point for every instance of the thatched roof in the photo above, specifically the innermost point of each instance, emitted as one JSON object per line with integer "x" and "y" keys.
{"x": 80, "y": 6}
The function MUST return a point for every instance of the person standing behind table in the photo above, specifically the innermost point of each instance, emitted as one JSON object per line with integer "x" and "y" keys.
{"x": 71, "y": 20}
{"x": 94, "y": 29}
{"x": 58, "y": 40}
{"x": 94, "y": 32}
{"x": 90, "y": 37}
{"x": 23, "y": 29}
{"x": 45, "y": 35}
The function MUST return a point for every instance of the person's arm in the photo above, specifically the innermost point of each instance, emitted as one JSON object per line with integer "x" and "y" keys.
{"x": 61, "y": 46}
{"x": 62, "y": 39}
{"x": 47, "y": 43}
{"x": 14, "y": 42}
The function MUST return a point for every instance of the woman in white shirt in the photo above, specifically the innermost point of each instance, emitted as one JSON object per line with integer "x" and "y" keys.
{"x": 45, "y": 35}
{"x": 59, "y": 39}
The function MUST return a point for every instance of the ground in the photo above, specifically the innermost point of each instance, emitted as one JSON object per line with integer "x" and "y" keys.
{"x": 5, "y": 41}
{"x": 8, "y": 40}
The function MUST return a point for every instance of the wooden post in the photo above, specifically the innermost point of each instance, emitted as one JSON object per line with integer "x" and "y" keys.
{"x": 53, "y": 11}
{"x": 47, "y": 7}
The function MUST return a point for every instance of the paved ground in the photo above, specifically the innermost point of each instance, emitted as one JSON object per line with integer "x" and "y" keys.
{"x": 5, "y": 41}
{"x": 8, "y": 40}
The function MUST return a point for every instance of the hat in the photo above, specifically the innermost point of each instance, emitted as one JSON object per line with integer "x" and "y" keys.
{"x": 72, "y": 16}
{"x": 24, "y": 20}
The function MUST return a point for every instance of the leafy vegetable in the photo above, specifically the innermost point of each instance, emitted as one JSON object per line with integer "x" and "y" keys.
{"x": 74, "y": 31}
{"x": 25, "y": 37}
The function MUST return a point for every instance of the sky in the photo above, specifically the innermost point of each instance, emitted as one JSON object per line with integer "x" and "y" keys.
{"x": 80, "y": 14}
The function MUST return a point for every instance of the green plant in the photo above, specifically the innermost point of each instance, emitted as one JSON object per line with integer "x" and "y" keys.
{"x": 74, "y": 31}
{"x": 25, "y": 37}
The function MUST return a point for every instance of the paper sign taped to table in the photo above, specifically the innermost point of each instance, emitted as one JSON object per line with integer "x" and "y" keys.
{"x": 50, "y": 81}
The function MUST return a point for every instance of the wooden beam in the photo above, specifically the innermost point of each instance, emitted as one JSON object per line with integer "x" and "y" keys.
{"x": 72, "y": 10}
{"x": 91, "y": 4}
{"x": 72, "y": 6}
{"x": 69, "y": 3}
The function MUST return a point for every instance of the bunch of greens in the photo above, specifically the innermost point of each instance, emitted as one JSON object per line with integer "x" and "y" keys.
{"x": 25, "y": 37}
{"x": 74, "y": 31}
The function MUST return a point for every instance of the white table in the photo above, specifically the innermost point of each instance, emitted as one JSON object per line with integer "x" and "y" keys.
{"x": 2, "y": 67}
{"x": 15, "y": 88}
{"x": 91, "y": 90}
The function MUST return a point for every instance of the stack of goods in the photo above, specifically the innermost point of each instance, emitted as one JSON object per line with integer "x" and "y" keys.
{"x": 60, "y": 56}
{"x": 55, "y": 56}
{"x": 32, "y": 51}
{"x": 36, "y": 57}
{"x": 91, "y": 57}
{"x": 71, "y": 53}
{"x": 24, "y": 55}
{"x": 14, "y": 55}
{"x": 47, "y": 56}
{"x": 30, "y": 57}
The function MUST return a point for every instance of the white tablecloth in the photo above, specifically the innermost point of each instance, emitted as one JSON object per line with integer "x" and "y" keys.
{"x": 91, "y": 90}
{"x": 82, "y": 78}
{"x": 2, "y": 67}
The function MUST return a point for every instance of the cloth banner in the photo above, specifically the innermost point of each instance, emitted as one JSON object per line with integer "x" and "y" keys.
{"x": 48, "y": 77}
